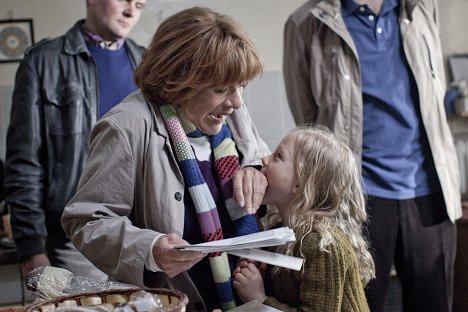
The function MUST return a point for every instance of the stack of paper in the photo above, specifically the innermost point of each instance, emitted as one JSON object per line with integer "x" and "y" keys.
{"x": 273, "y": 258}
{"x": 244, "y": 246}
{"x": 268, "y": 238}
{"x": 254, "y": 306}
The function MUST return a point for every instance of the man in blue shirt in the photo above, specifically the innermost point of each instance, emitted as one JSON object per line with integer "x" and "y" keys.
{"x": 372, "y": 71}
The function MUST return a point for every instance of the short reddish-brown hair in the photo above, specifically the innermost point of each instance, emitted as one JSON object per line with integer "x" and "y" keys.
{"x": 194, "y": 50}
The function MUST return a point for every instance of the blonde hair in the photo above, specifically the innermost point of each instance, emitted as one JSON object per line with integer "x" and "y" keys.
{"x": 329, "y": 195}
{"x": 195, "y": 50}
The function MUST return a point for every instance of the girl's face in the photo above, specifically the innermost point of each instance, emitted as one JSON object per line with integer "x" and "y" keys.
{"x": 280, "y": 171}
{"x": 209, "y": 109}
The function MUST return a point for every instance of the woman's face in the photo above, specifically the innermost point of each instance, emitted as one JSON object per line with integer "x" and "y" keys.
{"x": 280, "y": 171}
{"x": 209, "y": 109}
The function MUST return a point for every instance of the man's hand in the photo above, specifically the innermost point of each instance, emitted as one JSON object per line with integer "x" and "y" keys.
{"x": 174, "y": 261}
{"x": 249, "y": 186}
{"x": 31, "y": 263}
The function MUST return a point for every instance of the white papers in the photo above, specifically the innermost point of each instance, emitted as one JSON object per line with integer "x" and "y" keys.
{"x": 274, "y": 237}
{"x": 284, "y": 261}
{"x": 254, "y": 306}
{"x": 244, "y": 247}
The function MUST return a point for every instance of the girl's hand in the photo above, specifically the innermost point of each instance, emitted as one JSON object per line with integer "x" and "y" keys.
{"x": 261, "y": 266}
{"x": 248, "y": 282}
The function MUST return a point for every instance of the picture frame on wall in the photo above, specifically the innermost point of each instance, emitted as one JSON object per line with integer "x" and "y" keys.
{"x": 16, "y": 35}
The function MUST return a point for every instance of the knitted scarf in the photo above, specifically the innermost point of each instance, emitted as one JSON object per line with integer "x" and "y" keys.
{"x": 226, "y": 164}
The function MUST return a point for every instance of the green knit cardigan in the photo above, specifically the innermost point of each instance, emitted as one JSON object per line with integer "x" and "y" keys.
{"x": 331, "y": 280}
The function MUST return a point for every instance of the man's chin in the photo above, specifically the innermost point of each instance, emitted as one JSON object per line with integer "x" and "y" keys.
{"x": 121, "y": 33}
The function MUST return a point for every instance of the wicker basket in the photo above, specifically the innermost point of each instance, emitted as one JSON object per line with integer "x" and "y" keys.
{"x": 173, "y": 300}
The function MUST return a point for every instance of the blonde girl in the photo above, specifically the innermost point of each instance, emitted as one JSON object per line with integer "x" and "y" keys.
{"x": 315, "y": 182}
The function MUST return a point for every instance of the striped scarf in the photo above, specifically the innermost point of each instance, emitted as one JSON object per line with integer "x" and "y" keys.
{"x": 226, "y": 164}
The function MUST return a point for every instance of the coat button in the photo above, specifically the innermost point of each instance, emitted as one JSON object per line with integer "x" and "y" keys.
{"x": 178, "y": 196}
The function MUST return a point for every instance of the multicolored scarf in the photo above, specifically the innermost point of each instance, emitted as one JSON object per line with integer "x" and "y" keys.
{"x": 226, "y": 164}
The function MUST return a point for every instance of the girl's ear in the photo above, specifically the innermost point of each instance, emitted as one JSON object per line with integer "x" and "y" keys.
{"x": 295, "y": 189}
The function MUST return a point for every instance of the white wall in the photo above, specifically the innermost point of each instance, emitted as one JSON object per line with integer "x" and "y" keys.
{"x": 453, "y": 26}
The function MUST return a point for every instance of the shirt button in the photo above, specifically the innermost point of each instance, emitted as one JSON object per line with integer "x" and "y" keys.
{"x": 178, "y": 196}
{"x": 379, "y": 30}
{"x": 371, "y": 18}
{"x": 406, "y": 21}
{"x": 362, "y": 9}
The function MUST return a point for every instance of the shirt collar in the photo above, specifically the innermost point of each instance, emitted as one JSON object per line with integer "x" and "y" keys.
{"x": 96, "y": 40}
{"x": 350, "y": 6}
{"x": 389, "y": 5}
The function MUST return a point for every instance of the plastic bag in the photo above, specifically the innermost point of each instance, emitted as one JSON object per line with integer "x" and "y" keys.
{"x": 51, "y": 282}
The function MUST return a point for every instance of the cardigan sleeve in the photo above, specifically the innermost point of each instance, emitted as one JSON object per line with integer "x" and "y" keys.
{"x": 322, "y": 285}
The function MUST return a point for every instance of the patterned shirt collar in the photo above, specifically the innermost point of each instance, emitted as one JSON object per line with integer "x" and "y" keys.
{"x": 96, "y": 40}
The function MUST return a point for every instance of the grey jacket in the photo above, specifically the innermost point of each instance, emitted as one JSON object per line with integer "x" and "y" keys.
{"x": 55, "y": 105}
{"x": 132, "y": 189}
{"x": 323, "y": 79}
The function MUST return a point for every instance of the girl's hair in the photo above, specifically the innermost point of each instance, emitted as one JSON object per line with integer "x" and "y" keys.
{"x": 195, "y": 50}
{"x": 329, "y": 195}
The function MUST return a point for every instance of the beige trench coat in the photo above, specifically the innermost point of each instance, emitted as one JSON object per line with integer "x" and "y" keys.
{"x": 323, "y": 82}
{"x": 132, "y": 190}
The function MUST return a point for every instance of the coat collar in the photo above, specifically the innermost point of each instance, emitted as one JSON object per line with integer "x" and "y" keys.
{"x": 409, "y": 6}
{"x": 74, "y": 44}
{"x": 333, "y": 7}
{"x": 74, "y": 40}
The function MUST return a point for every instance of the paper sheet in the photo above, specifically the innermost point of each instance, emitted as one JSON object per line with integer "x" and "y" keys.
{"x": 246, "y": 247}
{"x": 284, "y": 261}
{"x": 274, "y": 237}
{"x": 254, "y": 306}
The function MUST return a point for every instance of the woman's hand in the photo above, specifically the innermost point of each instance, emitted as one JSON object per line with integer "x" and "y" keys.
{"x": 248, "y": 282}
{"x": 174, "y": 261}
{"x": 249, "y": 186}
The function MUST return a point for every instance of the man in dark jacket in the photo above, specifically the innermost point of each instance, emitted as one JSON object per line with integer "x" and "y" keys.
{"x": 62, "y": 87}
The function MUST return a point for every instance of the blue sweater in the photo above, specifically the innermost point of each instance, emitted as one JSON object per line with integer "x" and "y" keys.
{"x": 115, "y": 74}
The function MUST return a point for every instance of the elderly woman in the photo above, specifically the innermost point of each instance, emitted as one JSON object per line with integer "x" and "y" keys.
{"x": 174, "y": 163}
